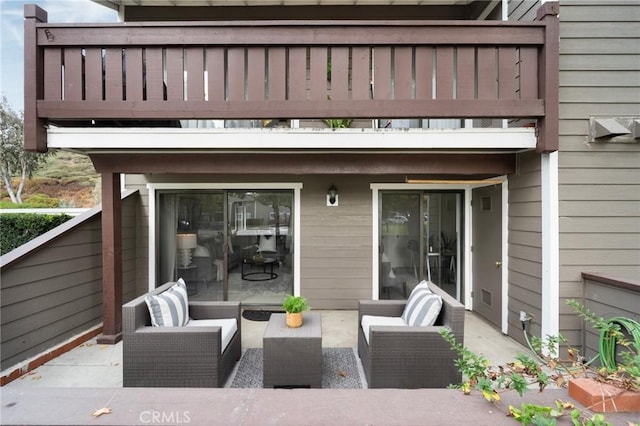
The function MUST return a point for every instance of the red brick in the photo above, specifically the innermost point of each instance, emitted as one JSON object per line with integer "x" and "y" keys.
{"x": 602, "y": 397}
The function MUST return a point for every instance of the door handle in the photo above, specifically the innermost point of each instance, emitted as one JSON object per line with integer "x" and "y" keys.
{"x": 498, "y": 264}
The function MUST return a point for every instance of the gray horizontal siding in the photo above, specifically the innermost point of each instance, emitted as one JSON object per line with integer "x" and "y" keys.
{"x": 336, "y": 243}
{"x": 599, "y": 188}
{"x": 50, "y": 294}
{"x": 525, "y": 252}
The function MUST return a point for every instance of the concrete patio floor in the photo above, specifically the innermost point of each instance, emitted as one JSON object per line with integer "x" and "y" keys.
{"x": 70, "y": 388}
{"x": 93, "y": 365}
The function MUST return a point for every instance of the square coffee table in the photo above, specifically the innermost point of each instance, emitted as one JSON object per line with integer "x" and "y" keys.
{"x": 292, "y": 357}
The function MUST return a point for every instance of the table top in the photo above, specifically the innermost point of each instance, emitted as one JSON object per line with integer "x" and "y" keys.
{"x": 311, "y": 326}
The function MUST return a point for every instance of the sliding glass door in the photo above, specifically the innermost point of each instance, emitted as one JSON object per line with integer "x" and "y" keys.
{"x": 227, "y": 245}
{"x": 260, "y": 242}
{"x": 420, "y": 238}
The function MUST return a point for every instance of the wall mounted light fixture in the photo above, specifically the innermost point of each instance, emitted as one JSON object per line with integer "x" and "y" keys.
{"x": 332, "y": 196}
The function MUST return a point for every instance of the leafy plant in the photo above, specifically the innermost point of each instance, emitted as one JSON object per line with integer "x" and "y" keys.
{"x": 14, "y": 160}
{"x": 19, "y": 228}
{"x": 547, "y": 368}
{"x": 338, "y": 123}
{"x": 295, "y": 304}
{"x": 625, "y": 371}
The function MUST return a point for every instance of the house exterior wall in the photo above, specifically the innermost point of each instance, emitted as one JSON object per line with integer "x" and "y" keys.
{"x": 55, "y": 292}
{"x": 599, "y": 183}
{"x": 335, "y": 252}
{"x": 525, "y": 245}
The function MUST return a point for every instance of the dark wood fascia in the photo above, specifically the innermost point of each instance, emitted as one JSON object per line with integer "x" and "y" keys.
{"x": 307, "y": 164}
{"x": 333, "y": 12}
{"x": 631, "y": 285}
{"x": 139, "y": 110}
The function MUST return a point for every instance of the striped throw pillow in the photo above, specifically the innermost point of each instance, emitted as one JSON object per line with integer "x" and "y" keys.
{"x": 171, "y": 307}
{"x": 423, "y": 306}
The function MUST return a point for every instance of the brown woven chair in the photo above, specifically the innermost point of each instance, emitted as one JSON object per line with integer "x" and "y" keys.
{"x": 410, "y": 357}
{"x": 177, "y": 356}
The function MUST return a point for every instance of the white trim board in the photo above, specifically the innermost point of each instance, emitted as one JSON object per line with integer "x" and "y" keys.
{"x": 154, "y": 138}
{"x": 550, "y": 298}
{"x": 467, "y": 240}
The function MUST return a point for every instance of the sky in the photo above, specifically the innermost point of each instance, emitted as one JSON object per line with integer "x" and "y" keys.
{"x": 12, "y": 36}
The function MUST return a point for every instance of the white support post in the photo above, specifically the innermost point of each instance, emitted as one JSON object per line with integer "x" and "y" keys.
{"x": 550, "y": 321}
{"x": 505, "y": 256}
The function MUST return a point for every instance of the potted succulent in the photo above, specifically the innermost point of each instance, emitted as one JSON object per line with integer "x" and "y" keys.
{"x": 294, "y": 306}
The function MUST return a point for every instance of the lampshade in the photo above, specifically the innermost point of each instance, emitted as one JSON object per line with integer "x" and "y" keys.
{"x": 186, "y": 241}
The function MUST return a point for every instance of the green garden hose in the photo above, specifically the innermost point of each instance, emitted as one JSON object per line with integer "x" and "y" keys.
{"x": 608, "y": 342}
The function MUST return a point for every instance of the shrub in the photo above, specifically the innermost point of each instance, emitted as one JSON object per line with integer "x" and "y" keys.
{"x": 42, "y": 201}
{"x": 19, "y": 228}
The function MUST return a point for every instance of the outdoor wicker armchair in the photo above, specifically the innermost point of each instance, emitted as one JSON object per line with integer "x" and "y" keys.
{"x": 410, "y": 357}
{"x": 178, "y": 356}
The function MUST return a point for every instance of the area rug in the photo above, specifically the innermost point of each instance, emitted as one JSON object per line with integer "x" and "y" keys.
{"x": 340, "y": 369}
{"x": 258, "y": 315}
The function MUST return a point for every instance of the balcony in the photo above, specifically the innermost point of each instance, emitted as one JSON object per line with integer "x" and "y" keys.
{"x": 158, "y": 73}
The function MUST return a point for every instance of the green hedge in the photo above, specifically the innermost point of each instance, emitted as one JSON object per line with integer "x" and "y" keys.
{"x": 19, "y": 228}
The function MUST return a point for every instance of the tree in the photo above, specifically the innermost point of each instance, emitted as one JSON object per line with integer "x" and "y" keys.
{"x": 14, "y": 160}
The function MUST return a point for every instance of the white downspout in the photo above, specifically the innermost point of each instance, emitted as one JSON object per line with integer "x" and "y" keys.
{"x": 550, "y": 321}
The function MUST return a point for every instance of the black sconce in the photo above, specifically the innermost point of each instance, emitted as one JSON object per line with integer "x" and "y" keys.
{"x": 332, "y": 196}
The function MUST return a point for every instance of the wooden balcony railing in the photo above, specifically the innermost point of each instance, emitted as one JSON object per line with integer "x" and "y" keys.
{"x": 246, "y": 70}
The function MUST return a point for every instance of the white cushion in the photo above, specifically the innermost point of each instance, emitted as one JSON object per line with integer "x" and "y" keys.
{"x": 423, "y": 306}
{"x": 228, "y": 325}
{"x": 171, "y": 307}
{"x": 370, "y": 320}
{"x": 267, "y": 244}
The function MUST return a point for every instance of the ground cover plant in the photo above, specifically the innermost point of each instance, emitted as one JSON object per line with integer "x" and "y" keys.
{"x": 619, "y": 364}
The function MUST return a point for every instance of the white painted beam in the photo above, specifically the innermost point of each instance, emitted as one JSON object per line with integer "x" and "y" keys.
{"x": 299, "y": 139}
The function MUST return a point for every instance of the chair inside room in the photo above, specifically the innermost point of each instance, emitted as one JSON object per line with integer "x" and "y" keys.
{"x": 388, "y": 281}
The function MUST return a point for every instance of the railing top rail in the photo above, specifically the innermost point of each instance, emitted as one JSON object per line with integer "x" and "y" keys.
{"x": 292, "y": 33}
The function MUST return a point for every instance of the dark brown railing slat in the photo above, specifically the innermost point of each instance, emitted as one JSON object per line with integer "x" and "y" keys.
{"x": 486, "y": 73}
{"x": 235, "y": 73}
{"x": 528, "y": 75}
{"x": 444, "y": 73}
{"x": 52, "y": 74}
{"x": 297, "y": 90}
{"x": 340, "y": 73}
{"x": 255, "y": 74}
{"x": 72, "y": 74}
{"x": 318, "y": 74}
{"x": 133, "y": 74}
{"x": 175, "y": 74}
{"x": 465, "y": 73}
{"x": 194, "y": 64}
{"x": 361, "y": 80}
{"x": 153, "y": 74}
{"x": 382, "y": 73}
{"x": 93, "y": 74}
{"x": 291, "y": 69}
{"x": 277, "y": 83}
{"x": 507, "y": 73}
{"x": 424, "y": 72}
{"x": 403, "y": 72}
{"x": 215, "y": 74}
{"x": 113, "y": 74}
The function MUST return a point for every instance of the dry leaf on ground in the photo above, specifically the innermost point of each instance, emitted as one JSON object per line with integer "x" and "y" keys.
{"x": 101, "y": 411}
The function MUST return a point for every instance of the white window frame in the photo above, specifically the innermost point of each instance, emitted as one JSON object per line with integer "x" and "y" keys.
{"x": 467, "y": 240}
{"x": 154, "y": 187}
